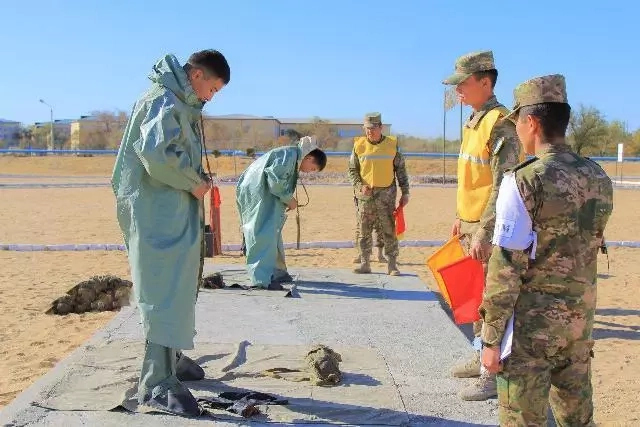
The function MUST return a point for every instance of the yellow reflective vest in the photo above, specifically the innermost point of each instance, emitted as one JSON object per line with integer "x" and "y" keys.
{"x": 376, "y": 160}
{"x": 475, "y": 178}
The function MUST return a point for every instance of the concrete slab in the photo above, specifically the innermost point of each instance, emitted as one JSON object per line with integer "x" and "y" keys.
{"x": 398, "y": 317}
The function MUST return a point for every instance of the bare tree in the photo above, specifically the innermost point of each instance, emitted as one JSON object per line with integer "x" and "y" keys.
{"x": 216, "y": 136}
{"x": 323, "y": 130}
{"x": 108, "y": 131}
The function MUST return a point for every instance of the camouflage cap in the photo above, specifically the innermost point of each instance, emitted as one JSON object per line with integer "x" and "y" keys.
{"x": 539, "y": 90}
{"x": 470, "y": 63}
{"x": 372, "y": 120}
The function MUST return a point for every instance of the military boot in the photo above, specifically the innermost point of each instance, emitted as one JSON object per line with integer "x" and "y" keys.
{"x": 469, "y": 368}
{"x": 482, "y": 388}
{"x": 392, "y": 267}
{"x": 357, "y": 260}
{"x": 187, "y": 369}
{"x": 364, "y": 268}
{"x": 381, "y": 257}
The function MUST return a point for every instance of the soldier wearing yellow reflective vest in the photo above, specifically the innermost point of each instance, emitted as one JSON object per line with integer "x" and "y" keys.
{"x": 374, "y": 166}
{"x": 490, "y": 146}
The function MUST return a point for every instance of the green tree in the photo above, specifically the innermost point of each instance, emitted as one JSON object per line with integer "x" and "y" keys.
{"x": 616, "y": 134}
{"x": 36, "y": 137}
{"x": 25, "y": 137}
{"x": 634, "y": 144}
{"x": 587, "y": 130}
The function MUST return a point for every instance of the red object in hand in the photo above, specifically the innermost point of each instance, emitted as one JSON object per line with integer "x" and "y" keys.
{"x": 216, "y": 197}
{"x": 214, "y": 220}
{"x": 464, "y": 280}
{"x": 398, "y": 214}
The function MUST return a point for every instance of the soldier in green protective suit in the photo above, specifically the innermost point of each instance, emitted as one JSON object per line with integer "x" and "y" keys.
{"x": 159, "y": 184}
{"x": 263, "y": 194}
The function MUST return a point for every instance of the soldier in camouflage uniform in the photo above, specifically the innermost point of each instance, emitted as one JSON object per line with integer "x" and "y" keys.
{"x": 551, "y": 214}
{"x": 376, "y": 228}
{"x": 374, "y": 167}
{"x": 489, "y": 147}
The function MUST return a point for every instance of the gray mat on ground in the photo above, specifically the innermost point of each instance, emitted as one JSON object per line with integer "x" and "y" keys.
{"x": 106, "y": 377}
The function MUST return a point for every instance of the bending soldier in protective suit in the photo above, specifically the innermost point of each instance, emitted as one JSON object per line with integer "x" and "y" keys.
{"x": 263, "y": 194}
{"x": 159, "y": 184}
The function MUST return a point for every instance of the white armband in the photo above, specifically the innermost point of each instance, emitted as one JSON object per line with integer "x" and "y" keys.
{"x": 514, "y": 229}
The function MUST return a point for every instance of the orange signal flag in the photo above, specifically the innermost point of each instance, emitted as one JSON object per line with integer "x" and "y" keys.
{"x": 464, "y": 280}
{"x": 401, "y": 227}
{"x": 217, "y": 200}
{"x": 447, "y": 254}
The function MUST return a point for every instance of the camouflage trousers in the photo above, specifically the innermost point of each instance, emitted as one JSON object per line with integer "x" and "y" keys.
{"x": 376, "y": 227}
{"x": 534, "y": 377}
{"x": 378, "y": 208}
{"x": 467, "y": 230}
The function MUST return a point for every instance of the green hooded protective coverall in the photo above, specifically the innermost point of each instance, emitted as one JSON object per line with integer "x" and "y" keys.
{"x": 158, "y": 164}
{"x": 262, "y": 194}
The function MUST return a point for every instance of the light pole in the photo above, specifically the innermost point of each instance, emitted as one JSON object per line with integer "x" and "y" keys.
{"x": 51, "y": 136}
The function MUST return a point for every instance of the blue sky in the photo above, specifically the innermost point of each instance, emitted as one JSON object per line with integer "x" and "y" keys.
{"x": 333, "y": 59}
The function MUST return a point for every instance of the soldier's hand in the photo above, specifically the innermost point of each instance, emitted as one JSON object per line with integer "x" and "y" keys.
{"x": 480, "y": 251}
{"x": 293, "y": 203}
{"x": 404, "y": 200}
{"x": 455, "y": 228}
{"x": 491, "y": 359}
{"x": 201, "y": 190}
{"x": 366, "y": 190}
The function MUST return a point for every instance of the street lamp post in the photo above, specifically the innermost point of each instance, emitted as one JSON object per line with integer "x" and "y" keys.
{"x": 53, "y": 144}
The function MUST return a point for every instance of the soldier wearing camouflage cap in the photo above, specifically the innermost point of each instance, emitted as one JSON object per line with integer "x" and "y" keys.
{"x": 489, "y": 147}
{"x": 370, "y": 120}
{"x": 551, "y": 215}
{"x": 374, "y": 166}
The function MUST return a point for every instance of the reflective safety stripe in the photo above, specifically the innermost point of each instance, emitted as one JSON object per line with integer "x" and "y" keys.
{"x": 376, "y": 160}
{"x": 474, "y": 159}
{"x": 475, "y": 178}
{"x": 374, "y": 156}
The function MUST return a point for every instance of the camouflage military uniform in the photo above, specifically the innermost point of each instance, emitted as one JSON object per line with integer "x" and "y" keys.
{"x": 376, "y": 227}
{"x": 550, "y": 288}
{"x": 504, "y": 150}
{"x": 379, "y": 206}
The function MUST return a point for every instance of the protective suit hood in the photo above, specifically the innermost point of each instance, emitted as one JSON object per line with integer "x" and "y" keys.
{"x": 158, "y": 164}
{"x": 306, "y": 145}
{"x": 169, "y": 73}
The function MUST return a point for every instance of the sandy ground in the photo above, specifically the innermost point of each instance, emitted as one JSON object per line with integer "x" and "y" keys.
{"x": 103, "y": 165}
{"x": 33, "y": 341}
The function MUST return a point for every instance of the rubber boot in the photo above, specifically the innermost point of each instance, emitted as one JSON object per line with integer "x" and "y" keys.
{"x": 282, "y": 277}
{"x": 173, "y": 397}
{"x": 159, "y": 388}
{"x": 187, "y": 369}
{"x": 365, "y": 267}
{"x": 381, "y": 257}
{"x": 392, "y": 268}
